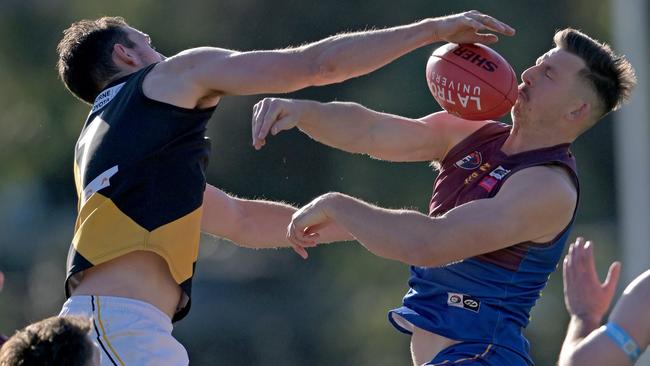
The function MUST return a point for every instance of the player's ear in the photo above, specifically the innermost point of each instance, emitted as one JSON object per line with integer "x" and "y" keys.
{"x": 124, "y": 55}
{"x": 579, "y": 112}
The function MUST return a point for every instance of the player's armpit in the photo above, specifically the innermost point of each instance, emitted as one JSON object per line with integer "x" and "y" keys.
{"x": 535, "y": 204}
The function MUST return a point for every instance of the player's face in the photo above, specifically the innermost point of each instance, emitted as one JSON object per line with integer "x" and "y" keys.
{"x": 550, "y": 88}
{"x": 143, "y": 47}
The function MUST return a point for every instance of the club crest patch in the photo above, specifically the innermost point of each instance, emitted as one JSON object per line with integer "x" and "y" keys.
{"x": 463, "y": 301}
{"x": 472, "y": 161}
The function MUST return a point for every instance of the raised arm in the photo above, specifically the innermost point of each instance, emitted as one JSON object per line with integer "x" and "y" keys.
{"x": 420, "y": 240}
{"x": 254, "y": 223}
{"x": 587, "y": 300}
{"x": 210, "y": 71}
{"x": 353, "y": 128}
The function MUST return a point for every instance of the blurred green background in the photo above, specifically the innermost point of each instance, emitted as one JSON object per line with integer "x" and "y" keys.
{"x": 266, "y": 306}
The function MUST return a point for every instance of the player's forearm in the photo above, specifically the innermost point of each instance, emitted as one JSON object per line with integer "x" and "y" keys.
{"x": 578, "y": 329}
{"x": 344, "y": 56}
{"x": 262, "y": 224}
{"x": 342, "y": 125}
{"x": 401, "y": 235}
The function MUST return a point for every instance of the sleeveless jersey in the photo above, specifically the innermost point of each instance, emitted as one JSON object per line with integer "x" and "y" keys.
{"x": 486, "y": 298}
{"x": 140, "y": 176}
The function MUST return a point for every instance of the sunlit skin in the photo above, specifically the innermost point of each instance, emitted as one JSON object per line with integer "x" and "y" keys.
{"x": 197, "y": 78}
{"x": 553, "y": 104}
{"x": 587, "y": 301}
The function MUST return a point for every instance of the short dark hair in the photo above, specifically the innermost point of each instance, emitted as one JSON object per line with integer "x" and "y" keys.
{"x": 611, "y": 76}
{"x": 62, "y": 341}
{"x": 85, "y": 55}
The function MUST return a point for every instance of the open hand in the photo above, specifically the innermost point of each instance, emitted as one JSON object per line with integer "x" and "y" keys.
{"x": 584, "y": 295}
{"x": 465, "y": 28}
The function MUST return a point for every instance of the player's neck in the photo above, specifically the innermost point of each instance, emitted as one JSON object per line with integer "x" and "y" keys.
{"x": 526, "y": 139}
{"x": 121, "y": 74}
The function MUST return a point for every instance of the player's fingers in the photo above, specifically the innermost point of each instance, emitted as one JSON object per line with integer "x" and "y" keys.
{"x": 582, "y": 258}
{"x": 565, "y": 271}
{"x": 571, "y": 254}
{"x": 613, "y": 274}
{"x": 254, "y": 122}
{"x": 493, "y": 24}
{"x": 302, "y": 252}
{"x": 267, "y": 104}
{"x": 588, "y": 257}
{"x": 310, "y": 239}
{"x": 2, "y": 280}
{"x": 294, "y": 243}
{"x": 477, "y": 25}
{"x": 485, "y": 38}
{"x": 270, "y": 118}
{"x": 286, "y": 122}
{"x": 257, "y": 120}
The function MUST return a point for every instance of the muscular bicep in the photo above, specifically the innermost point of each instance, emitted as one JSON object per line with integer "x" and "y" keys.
{"x": 535, "y": 204}
{"x": 395, "y": 138}
{"x": 228, "y": 72}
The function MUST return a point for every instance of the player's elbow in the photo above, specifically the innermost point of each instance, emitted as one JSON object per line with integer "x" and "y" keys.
{"x": 424, "y": 254}
{"x": 327, "y": 69}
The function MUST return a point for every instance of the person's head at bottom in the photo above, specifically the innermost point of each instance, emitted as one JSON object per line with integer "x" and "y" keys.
{"x": 63, "y": 341}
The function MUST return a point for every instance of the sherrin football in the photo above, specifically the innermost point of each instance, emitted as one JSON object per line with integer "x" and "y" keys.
{"x": 471, "y": 81}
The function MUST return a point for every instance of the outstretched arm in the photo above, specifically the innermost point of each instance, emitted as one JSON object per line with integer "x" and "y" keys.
{"x": 468, "y": 230}
{"x": 254, "y": 223}
{"x": 214, "y": 71}
{"x": 587, "y": 301}
{"x": 353, "y": 128}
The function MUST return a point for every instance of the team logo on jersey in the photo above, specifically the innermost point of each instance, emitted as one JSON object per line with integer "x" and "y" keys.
{"x": 105, "y": 97}
{"x": 471, "y": 161}
{"x": 463, "y": 301}
{"x": 488, "y": 183}
{"x": 499, "y": 172}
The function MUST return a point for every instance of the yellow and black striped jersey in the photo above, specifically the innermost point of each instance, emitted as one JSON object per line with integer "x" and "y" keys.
{"x": 140, "y": 176}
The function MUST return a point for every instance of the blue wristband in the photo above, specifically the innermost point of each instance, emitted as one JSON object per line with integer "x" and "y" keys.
{"x": 623, "y": 340}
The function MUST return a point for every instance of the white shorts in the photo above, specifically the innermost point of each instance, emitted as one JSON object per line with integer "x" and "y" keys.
{"x": 128, "y": 332}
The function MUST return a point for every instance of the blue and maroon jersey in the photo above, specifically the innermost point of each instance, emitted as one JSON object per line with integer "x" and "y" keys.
{"x": 486, "y": 298}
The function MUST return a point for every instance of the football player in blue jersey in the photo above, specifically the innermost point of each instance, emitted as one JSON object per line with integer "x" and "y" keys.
{"x": 502, "y": 206}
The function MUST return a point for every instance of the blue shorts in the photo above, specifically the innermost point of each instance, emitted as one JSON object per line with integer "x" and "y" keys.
{"x": 471, "y": 353}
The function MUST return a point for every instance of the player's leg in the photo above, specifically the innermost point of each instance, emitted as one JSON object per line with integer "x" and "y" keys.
{"x": 128, "y": 332}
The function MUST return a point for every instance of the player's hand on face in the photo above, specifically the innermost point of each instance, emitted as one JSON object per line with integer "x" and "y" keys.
{"x": 273, "y": 115}
{"x": 308, "y": 221}
{"x": 465, "y": 28}
{"x": 584, "y": 295}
